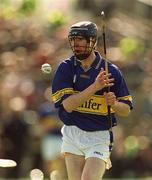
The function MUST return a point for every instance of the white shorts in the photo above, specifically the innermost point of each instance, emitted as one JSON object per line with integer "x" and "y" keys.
{"x": 88, "y": 144}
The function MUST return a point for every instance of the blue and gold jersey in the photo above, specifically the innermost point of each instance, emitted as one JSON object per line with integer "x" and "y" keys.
{"x": 70, "y": 78}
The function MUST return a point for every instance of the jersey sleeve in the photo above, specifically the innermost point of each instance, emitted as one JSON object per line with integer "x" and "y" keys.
{"x": 62, "y": 85}
{"x": 121, "y": 89}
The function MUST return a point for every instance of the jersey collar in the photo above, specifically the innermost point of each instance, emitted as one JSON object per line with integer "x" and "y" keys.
{"x": 96, "y": 63}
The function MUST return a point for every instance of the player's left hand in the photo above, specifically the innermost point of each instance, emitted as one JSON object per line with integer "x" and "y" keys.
{"x": 110, "y": 98}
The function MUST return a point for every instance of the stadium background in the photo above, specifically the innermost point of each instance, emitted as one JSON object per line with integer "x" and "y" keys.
{"x": 33, "y": 32}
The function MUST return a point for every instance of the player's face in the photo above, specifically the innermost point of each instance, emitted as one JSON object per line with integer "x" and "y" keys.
{"x": 80, "y": 46}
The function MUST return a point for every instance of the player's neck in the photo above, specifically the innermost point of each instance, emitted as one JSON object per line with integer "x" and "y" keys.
{"x": 86, "y": 63}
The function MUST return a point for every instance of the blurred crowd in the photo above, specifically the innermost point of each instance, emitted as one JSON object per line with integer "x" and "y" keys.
{"x": 29, "y": 125}
{"x": 28, "y": 117}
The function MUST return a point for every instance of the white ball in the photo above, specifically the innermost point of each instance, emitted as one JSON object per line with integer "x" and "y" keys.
{"x": 46, "y": 68}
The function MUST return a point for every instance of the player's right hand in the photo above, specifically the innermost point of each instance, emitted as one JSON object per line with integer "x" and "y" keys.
{"x": 103, "y": 80}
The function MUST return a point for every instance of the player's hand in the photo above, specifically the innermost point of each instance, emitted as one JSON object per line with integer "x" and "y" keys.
{"x": 103, "y": 80}
{"x": 110, "y": 98}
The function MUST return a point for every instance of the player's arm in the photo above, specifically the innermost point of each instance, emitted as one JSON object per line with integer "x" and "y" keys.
{"x": 75, "y": 100}
{"x": 120, "y": 108}
{"x": 119, "y": 98}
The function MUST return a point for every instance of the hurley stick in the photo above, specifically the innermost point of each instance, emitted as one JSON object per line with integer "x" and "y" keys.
{"x": 106, "y": 63}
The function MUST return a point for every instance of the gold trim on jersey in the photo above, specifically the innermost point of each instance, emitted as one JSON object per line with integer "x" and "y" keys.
{"x": 58, "y": 95}
{"x": 94, "y": 105}
{"x": 126, "y": 98}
